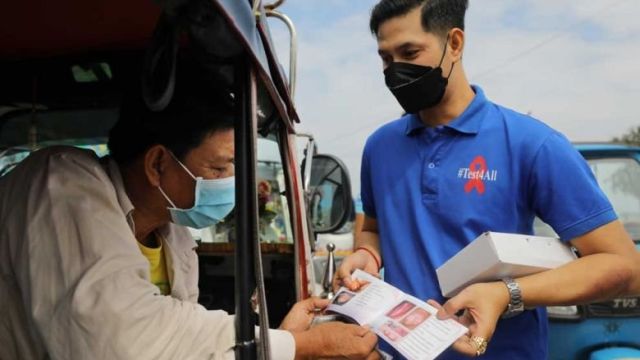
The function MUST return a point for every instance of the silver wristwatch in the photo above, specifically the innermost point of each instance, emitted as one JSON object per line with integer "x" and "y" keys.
{"x": 516, "y": 306}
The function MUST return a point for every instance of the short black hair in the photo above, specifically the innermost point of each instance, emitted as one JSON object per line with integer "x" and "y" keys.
{"x": 438, "y": 16}
{"x": 196, "y": 110}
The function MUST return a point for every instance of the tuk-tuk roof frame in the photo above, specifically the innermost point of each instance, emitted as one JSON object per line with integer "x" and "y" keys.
{"x": 32, "y": 29}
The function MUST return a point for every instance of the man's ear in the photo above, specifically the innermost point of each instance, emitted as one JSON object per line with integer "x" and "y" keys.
{"x": 155, "y": 163}
{"x": 456, "y": 44}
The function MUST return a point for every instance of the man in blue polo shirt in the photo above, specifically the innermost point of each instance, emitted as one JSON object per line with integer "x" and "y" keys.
{"x": 458, "y": 165}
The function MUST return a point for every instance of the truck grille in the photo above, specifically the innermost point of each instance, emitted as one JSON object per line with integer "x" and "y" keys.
{"x": 624, "y": 307}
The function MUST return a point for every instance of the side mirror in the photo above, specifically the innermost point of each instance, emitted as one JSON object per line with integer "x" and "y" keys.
{"x": 330, "y": 202}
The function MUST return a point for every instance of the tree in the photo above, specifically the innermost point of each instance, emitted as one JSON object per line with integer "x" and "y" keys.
{"x": 630, "y": 138}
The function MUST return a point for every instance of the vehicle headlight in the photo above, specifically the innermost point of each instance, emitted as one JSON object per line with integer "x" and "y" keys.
{"x": 563, "y": 312}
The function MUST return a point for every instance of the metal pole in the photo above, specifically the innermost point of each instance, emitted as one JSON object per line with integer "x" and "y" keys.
{"x": 246, "y": 210}
{"x": 293, "y": 48}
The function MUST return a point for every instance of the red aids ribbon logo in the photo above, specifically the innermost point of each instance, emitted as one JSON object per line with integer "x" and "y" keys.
{"x": 478, "y": 168}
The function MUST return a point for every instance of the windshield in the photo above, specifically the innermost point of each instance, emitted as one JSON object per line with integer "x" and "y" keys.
{"x": 618, "y": 178}
{"x": 72, "y": 127}
{"x": 23, "y": 131}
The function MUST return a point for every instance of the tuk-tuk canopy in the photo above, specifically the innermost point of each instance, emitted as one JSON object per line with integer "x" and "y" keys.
{"x": 36, "y": 29}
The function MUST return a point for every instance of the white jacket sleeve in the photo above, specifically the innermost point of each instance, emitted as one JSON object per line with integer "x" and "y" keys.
{"x": 282, "y": 344}
{"x": 84, "y": 279}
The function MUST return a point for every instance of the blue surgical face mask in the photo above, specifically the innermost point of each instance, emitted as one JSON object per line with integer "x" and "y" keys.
{"x": 214, "y": 199}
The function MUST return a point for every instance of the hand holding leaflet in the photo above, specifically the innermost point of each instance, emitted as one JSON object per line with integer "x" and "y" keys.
{"x": 407, "y": 323}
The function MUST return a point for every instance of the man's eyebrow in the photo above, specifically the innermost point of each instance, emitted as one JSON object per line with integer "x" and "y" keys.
{"x": 219, "y": 159}
{"x": 401, "y": 47}
{"x": 406, "y": 46}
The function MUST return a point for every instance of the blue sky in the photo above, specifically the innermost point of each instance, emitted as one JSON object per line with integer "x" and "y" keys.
{"x": 571, "y": 63}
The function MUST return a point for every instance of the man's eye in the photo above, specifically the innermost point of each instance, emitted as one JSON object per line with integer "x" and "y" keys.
{"x": 410, "y": 54}
{"x": 216, "y": 170}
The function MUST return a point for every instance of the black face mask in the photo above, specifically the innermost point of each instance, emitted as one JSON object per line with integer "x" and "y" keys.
{"x": 417, "y": 87}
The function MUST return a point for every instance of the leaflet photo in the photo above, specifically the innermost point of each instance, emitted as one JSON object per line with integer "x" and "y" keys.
{"x": 400, "y": 310}
{"x": 343, "y": 297}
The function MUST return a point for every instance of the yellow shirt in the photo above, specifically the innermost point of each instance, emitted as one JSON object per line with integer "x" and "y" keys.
{"x": 157, "y": 266}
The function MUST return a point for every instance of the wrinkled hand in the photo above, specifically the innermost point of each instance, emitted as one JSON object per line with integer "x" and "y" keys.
{"x": 358, "y": 260}
{"x": 302, "y": 313}
{"x": 482, "y": 304}
{"x": 336, "y": 340}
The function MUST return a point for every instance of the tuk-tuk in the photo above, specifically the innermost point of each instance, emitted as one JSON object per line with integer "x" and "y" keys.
{"x": 64, "y": 65}
{"x": 609, "y": 329}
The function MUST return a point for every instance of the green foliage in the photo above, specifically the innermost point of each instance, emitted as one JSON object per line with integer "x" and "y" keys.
{"x": 630, "y": 138}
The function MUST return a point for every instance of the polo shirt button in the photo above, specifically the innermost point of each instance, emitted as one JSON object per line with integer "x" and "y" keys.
{"x": 432, "y": 165}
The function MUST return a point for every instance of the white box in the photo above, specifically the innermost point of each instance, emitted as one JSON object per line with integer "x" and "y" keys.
{"x": 492, "y": 256}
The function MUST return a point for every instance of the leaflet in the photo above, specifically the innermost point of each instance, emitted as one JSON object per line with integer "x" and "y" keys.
{"x": 407, "y": 323}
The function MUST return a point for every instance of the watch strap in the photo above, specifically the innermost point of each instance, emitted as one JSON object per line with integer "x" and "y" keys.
{"x": 516, "y": 305}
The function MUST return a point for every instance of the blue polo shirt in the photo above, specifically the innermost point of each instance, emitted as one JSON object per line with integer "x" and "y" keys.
{"x": 434, "y": 190}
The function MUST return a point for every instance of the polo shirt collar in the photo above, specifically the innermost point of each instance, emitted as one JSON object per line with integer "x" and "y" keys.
{"x": 413, "y": 124}
{"x": 467, "y": 123}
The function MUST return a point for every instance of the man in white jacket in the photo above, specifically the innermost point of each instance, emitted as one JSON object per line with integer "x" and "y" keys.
{"x": 95, "y": 264}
